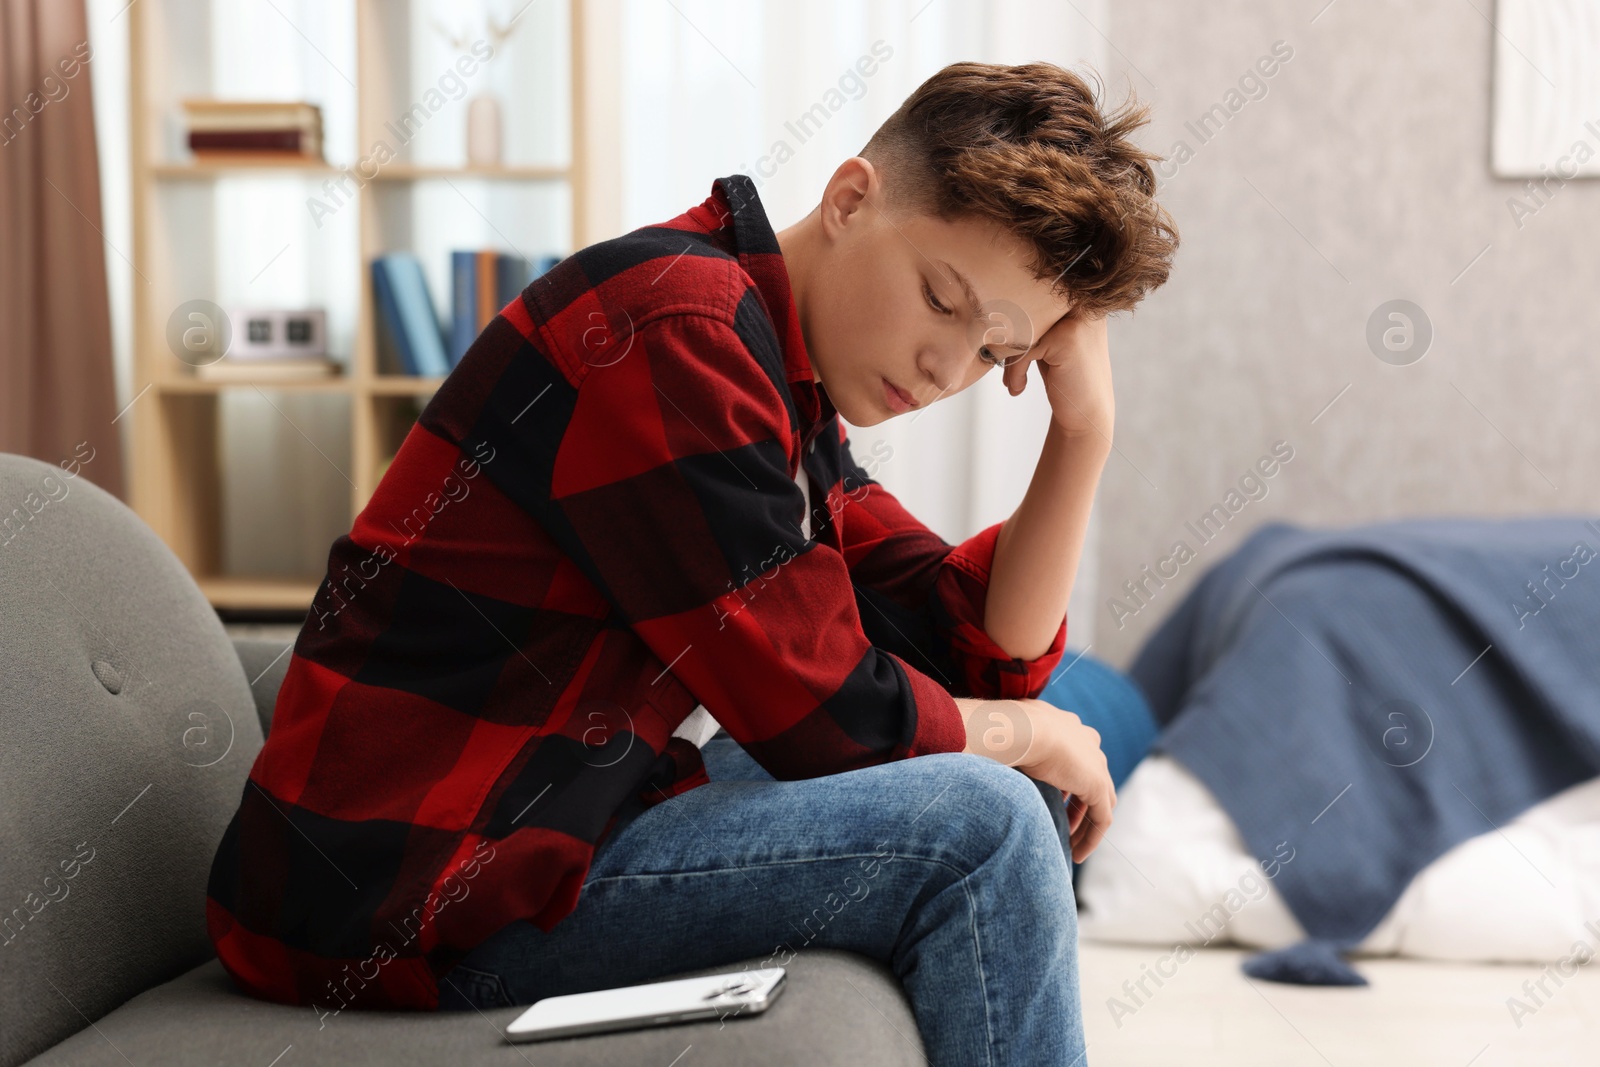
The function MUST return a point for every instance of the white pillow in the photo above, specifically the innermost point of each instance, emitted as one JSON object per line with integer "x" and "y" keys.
{"x": 1172, "y": 869}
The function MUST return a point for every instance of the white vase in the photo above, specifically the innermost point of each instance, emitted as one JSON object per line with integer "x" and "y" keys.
{"x": 483, "y": 131}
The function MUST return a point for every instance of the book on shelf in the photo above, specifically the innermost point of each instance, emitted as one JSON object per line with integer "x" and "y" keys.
{"x": 253, "y": 130}
{"x": 410, "y": 338}
{"x": 285, "y": 369}
{"x": 293, "y": 141}
{"x": 482, "y": 281}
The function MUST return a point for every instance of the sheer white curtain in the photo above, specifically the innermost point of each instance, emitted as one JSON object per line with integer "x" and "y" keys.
{"x": 712, "y": 87}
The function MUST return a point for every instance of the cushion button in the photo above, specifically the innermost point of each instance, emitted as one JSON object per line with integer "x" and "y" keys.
{"x": 108, "y": 675}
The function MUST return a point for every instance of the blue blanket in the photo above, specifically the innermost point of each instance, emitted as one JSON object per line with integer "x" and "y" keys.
{"x": 1375, "y": 695}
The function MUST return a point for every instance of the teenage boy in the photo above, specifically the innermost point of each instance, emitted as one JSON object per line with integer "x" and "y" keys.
{"x": 632, "y": 515}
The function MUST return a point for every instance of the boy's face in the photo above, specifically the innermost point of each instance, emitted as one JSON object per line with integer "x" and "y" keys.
{"x": 887, "y": 322}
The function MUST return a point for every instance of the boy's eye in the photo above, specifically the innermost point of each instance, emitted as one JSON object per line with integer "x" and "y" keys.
{"x": 983, "y": 352}
{"x": 993, "y": 360}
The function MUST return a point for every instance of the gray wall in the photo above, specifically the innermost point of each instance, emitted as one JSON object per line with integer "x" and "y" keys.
{"x": 1368, "y": 157}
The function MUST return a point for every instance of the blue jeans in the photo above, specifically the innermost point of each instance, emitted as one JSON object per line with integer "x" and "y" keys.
{"x": 948, "y": 868}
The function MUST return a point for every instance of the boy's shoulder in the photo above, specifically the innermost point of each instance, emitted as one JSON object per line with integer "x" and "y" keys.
{"x": 703, "y": 296}
{"x": 677, "y": 267}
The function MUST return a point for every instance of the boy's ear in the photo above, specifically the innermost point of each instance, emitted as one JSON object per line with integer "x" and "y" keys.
{"x": 853, "y": 185}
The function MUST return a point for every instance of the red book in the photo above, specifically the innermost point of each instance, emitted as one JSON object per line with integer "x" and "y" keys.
{"x": 237, "y": 140}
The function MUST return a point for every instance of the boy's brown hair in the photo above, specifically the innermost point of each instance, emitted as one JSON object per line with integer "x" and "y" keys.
{"x": 1028, "y": 147}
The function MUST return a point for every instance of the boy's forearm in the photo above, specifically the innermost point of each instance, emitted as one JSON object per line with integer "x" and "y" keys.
{"x": 1041, "y": 544}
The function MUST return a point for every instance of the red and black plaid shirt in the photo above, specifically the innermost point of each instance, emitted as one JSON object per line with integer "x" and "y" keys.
{"x": 594, "y": 527}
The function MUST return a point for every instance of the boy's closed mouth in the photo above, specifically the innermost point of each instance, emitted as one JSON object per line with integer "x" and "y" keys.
{"x": 898, "y": 399}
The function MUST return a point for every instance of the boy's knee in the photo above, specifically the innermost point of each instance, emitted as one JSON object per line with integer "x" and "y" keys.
{"x": 986, "y": 804}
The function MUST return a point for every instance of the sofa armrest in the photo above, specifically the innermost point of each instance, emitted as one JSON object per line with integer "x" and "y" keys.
{"x": 265, "y": 662}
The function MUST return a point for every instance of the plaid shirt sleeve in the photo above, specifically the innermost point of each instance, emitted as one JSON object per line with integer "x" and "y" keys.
{"x": 685, "y": 514}
{"x": 928, "y": 596}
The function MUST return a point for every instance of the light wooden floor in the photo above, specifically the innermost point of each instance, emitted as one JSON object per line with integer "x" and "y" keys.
{"x": 1414, "y": 1014}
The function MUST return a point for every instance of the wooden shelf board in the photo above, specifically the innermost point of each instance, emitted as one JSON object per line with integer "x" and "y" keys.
{"x": 204, "y": 170}
{"x": 337, "y": 384}
{"x": 405, "y": 172}
{"x": 379, "y": 385}
{"x": 404, "y": 385}
{"x": 243, "y": 591}
{"x": 395, "y": 172}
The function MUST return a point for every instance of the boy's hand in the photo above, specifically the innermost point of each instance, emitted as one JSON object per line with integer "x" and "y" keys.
{"x": 1054, "y": 746}
{"x": 1074, "y": 361}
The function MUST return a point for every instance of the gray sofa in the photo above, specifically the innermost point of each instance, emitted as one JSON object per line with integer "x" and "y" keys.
{"x": 128, "y": 721}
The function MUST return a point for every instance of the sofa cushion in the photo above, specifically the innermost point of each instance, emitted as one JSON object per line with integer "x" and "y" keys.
{"x": 265, "y": 661}
{"x": 126, "y": 731}
{"x": 839, "y": 1008}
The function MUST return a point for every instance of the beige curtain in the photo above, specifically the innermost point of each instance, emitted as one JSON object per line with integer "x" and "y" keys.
{"x": 57, "y": 392}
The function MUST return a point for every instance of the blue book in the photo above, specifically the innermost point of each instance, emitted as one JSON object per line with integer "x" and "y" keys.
{"x": 511, "y": 274}
{"x": 463, "y": 303}
{"x": 391, "y": 336}
{"x": 401, "y": 293}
